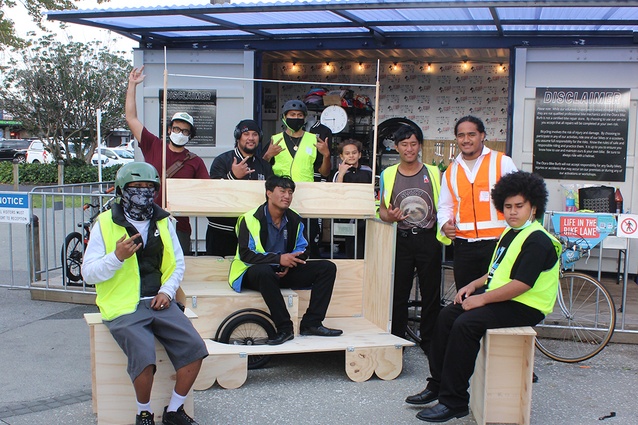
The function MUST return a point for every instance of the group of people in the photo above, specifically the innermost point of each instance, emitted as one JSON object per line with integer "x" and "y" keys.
{"x": 505, "y": 263}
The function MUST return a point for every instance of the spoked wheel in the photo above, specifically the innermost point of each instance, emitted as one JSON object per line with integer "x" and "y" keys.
{"x": 448, "y": 287}
{"x": 414, "y": 312}
{"x": 582, "y": 322}
{"x": 247, "y": 327}
{"x": 72, "y": 253}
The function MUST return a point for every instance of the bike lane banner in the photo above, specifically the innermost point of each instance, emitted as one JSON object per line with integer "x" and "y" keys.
{"x": 590, "y": 228}
{"x": 14, "y": 208}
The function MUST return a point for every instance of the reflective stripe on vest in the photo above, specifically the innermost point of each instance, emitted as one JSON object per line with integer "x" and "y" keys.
{"x": 476, "y": 216}
{"x": 542, "y": 295}
{"x": 120, "y": 294}
{"x": 301, "y": 168}
{"x": 389, "y": 176}
{"x": 238, "y": 267}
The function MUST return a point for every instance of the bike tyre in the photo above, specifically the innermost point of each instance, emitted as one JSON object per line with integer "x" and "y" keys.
{"x": 72, "y": 254}
{"x": 248, "y": 327}
{"x": 593, "y": 318}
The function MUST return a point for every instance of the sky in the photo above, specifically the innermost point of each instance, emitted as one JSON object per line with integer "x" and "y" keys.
{"x": 82, "y": 33}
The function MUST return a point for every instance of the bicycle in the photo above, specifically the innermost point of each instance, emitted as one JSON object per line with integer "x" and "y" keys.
{"x": 75, "y": 243}
{"x": 584, "y": 315}
{"x": 448, "y": 292}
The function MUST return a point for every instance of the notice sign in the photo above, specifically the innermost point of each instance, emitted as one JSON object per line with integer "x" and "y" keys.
{"x": 200, "y": 104}
{"x": 581, "y": 134}
{"x": 585, "y": 229}
{"x": 14, "y": 208}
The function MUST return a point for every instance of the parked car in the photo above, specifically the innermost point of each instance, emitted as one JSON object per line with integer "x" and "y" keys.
{"x": 38, "y": 154}
{"x": 112, "y": 156}
{"x": 11, "y": 149}
{"x": 130, "y": 146}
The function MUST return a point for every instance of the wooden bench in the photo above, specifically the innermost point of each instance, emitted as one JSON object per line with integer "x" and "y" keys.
{"x": 113, "y": 393}
{"x": 360, "y": 304}
{"x": 501, "y": 386}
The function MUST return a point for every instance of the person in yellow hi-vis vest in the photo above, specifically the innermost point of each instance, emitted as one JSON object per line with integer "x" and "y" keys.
{"x": 271, "y": 254}
{"x": 295, "y": 152}
{"x": 409, "y": 195}
{"x": 136, "y": 263}
{"x": 519, "y": 286}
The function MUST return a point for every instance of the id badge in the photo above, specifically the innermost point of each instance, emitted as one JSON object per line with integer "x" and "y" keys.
{"x": 484, "y": 196}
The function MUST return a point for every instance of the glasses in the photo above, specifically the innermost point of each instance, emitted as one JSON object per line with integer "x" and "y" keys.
{"x": 183, "y": 131}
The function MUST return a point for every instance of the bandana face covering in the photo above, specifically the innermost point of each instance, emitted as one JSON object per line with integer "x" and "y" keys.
{"x": 137, "y": 202}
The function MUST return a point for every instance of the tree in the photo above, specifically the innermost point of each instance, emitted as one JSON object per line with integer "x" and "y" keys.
{"x": 8, "y": 37}
{"x": 57, "y": 88}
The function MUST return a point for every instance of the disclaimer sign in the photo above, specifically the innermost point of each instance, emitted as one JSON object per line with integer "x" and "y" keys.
{"x": 200, "y": 104}
{"x": 581, "y": 134}
{"x": 14, "y": 208}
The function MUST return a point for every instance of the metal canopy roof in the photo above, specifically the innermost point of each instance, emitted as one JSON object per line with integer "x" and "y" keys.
{"x": 369, "y": 24}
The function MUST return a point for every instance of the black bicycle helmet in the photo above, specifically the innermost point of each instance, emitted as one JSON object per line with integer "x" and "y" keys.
{"x": 295, "y": 105}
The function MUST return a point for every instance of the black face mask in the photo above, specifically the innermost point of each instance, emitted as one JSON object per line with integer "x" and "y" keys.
{"x": 137, "y": 202}
{"x": 295, "y": 124}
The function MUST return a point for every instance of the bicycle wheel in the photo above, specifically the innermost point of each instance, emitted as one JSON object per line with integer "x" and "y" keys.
{"x": 248, "y": 327}
{"x": 582, "y": 322}
{"x": 413, "y": 327}
{"x": 448, "y": 287}
{"x": 72, "y": 253}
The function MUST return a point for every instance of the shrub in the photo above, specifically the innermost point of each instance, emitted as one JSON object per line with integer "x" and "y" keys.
{"x": 42, "y": 174}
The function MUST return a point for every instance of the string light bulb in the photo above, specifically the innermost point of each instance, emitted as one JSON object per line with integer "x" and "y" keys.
{"x": 360, "y": 66}
{"x": 465, "y": 64}
{"x": 328, "y": 66}
{"x": 429, "y": 66}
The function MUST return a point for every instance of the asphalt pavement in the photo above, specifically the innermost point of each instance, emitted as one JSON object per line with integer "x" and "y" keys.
{"x": 46, "y": 379}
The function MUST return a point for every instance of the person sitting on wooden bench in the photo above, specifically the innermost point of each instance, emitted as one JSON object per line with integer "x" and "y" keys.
{"x": 271, "y": 254}
{"x": 136, "y": 263}
{"x": 521, "y": 287}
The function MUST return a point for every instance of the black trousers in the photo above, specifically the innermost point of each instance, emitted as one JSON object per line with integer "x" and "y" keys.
{"x": 471, "y": 260}
{"x": 318, "y": 275}
{"x": 456, "y": 343}
{"x": 423, "y": 253}
{"x": 220, "y": 242}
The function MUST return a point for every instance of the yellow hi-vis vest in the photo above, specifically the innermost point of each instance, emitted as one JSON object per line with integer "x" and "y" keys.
{"x": 476, "y": 216}
{"x": 542, "y": 295}
{"x": 238, "y": 267}
{"x": 388, "y": 177}
{"x": 121, "y": 294}
{"x": 301, "y": 168}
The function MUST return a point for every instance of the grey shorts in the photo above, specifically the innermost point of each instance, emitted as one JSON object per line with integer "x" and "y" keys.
{"x": 135, "y": 333}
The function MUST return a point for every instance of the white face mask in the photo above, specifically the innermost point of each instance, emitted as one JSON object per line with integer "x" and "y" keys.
{"x": 178, "y": 139}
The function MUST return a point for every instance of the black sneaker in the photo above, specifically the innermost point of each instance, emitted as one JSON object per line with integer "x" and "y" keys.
{"x": 145, "y": 418}
{"x": 177, "y": 418}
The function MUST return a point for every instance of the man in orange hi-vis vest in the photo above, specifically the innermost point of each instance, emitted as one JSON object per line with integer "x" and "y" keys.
{"x": 465, "y": 212}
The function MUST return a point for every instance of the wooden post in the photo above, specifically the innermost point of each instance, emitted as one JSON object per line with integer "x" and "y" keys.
{"x": 16, "y": 175}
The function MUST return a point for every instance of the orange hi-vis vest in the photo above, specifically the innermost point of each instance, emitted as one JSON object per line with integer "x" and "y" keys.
{"x": 476, "y": 217}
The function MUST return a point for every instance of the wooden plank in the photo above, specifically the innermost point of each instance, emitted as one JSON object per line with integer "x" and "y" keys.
{"x": 378, "y": 275}
{"x": 347, "y": 296}
{"x": 226, "y": 198}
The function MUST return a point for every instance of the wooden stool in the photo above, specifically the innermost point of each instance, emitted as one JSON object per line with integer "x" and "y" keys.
{"x": 113, "y": 393}
{"x": 501, "y": 387}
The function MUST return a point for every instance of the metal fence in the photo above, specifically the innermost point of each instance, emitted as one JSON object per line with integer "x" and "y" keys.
{"x": 60, "y": 224}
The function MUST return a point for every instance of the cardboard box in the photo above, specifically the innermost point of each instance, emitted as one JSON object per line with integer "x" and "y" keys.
{"x": 331, "y": 99}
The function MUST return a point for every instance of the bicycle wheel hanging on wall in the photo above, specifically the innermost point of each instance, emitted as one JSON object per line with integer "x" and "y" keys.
{"x": 385, "y": 142}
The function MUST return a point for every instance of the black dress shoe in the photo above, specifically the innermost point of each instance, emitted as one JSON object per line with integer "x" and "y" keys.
{"x": 281, "y": 337}
{"x": 424, "y": 397}
{"x": 441, "y": 413}
{"x": 320, "y": 331}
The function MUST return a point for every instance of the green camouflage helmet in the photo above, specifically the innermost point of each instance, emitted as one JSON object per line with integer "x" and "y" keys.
{"x": 136, "y": 172}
